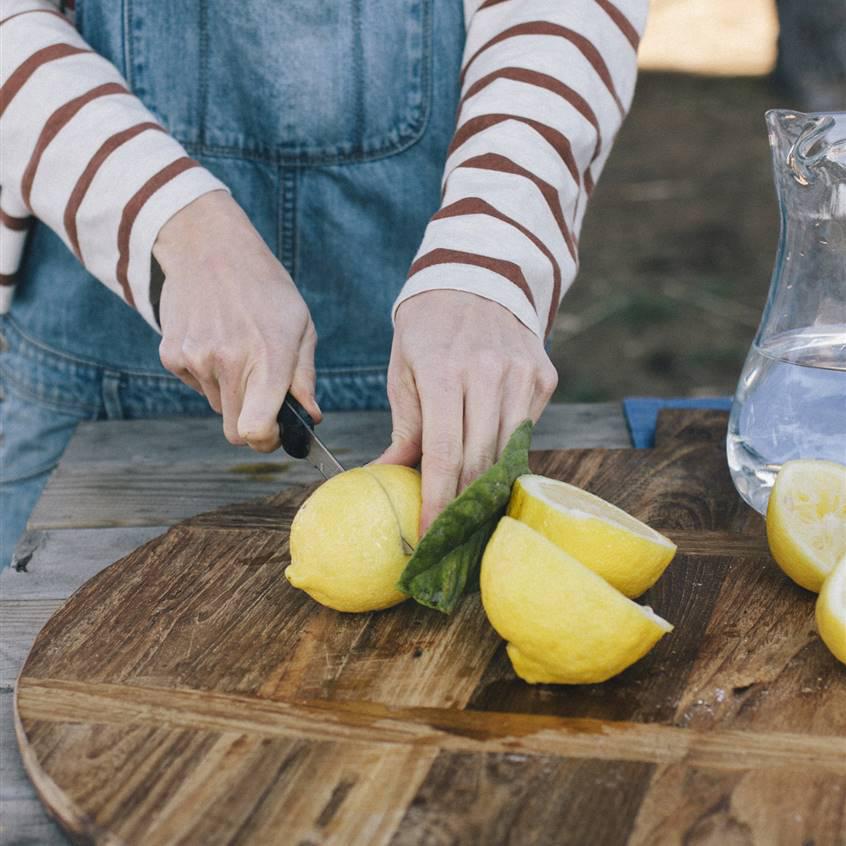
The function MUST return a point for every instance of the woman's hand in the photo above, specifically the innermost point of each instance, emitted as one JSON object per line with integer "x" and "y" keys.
{"x": 234, "y": 326}
{"x": 464, "y": 373}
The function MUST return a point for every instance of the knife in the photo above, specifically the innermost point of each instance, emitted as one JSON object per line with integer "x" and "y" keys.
{"x": 296, "y": 431}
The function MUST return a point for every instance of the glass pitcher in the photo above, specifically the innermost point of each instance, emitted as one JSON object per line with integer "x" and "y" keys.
{"x": 791, "y": 397}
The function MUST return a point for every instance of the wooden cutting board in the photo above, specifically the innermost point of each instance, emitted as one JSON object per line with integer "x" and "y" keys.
{"x": 187, "y": 694}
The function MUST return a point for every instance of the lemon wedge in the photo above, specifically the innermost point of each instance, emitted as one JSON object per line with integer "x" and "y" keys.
{"x": 831, "y": 611}
{"x": 346, "y": 539}
{"x": 624, "y": 551}
{"x": 806, "y": 520}
{"x": 564, "y": 624}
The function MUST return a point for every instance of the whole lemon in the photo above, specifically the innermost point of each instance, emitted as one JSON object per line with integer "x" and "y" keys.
{"x": 346, "y": 539}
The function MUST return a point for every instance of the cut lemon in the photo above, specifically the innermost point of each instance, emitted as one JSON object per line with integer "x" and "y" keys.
{"x": 564, "y": 624}
{"x": 806, "y": 520}
{"x": 831, "y": 611}
{"x": 624, "y": 551}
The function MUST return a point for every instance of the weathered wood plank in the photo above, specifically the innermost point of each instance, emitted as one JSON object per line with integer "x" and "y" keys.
{"x": 63, "y": 560}
{"x": 114, "y": 495}
{"x": 541, "y": 801}
{"x": 59, "y": 562}
{"x": 158, "y": 472}
{"x": 197, "y": 440}
{"x": 23, "y": 820}
{"x": 691, "y": 804}
{"x": 68, "y": 702}
{"x": 20, "y": 622}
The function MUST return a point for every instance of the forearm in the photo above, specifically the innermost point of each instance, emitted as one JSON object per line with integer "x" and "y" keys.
{"x": 545, "y": 87}
{"x": 83, "y": 155}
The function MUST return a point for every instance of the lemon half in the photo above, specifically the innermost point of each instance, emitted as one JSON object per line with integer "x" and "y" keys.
{"x": 624, "y": 551}
{"x": 346, "y": 539}
{"x": 564, "y": 624}
{"x": 806, "y": 520}
{"x": 831, "y": 611}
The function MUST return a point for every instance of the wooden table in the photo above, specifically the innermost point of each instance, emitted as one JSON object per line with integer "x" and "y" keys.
{"x": 121, "y": 483}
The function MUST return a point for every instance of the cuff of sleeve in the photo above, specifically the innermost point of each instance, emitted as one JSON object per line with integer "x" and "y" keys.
{"x": 157, "y": 211}
{"x": 473, "y": 280}
{"x": 6, "y": 294}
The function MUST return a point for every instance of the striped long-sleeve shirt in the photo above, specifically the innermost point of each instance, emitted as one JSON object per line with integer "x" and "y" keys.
{"x": 545, "y": 85}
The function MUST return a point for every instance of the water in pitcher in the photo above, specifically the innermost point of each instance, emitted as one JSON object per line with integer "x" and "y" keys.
{"x": 790, "y": 403}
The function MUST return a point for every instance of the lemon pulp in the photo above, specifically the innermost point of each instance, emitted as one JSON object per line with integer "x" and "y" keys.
{"x": 806, "y": 520}
{"x": 627, "y": 553}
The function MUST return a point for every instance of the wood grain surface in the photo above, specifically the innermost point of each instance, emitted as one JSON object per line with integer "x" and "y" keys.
{"x": 187, "y": 694}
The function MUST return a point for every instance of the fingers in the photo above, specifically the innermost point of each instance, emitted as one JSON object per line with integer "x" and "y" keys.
{"x": 231, "y": 397}
{"x": 518, "y": 398}
{"x": 305, "y": 377}
{"x": 256, "y": 424}
{"x": 406, "y": 443}
{"x": 442, "y": 410}
{"x": 174, "y": 359}
{"x": 546, "y": 381}
{"x": 210, "y": 390}
{"x": 248, "y": 396}
{"x": 483, "y": 400}
{"x": 190, "y": 381}
{"x": 266, "y": 390}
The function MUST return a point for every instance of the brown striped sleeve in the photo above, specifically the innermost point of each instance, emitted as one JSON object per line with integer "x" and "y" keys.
{"x": 476, "y": 205}
{"x": 55, "y": 123}
{"x": 130, "y": 213}
{"x": 80, "y": 189}
{"x": 16, "y": 224}
{"x": 12, "y": 86}
{"x": 83, "y": 155}
{"x": 544, "y": 88}
{"x": 508, "y": 270}
{"x": 585, "y": 46}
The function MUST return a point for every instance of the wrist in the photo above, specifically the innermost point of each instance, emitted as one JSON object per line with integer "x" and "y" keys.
{"x": 198, "y": 230}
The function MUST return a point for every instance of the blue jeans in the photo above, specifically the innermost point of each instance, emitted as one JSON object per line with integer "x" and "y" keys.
{"x": 44, "y": 395}
{"x": 329, "y": 122}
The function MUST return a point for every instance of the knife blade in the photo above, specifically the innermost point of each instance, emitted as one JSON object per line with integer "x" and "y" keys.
{"x": 296, "y": 431}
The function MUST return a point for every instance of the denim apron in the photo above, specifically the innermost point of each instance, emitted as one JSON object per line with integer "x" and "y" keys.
{"x": 328, "y": 119}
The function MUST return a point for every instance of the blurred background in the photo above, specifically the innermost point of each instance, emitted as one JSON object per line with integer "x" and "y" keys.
{"x": 680, "y": 236}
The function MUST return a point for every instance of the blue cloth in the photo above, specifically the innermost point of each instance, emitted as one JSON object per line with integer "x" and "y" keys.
{"x": 642, "y": 414}
{"x": 329, "y": 122}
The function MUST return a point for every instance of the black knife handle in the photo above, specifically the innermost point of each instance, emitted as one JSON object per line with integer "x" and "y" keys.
{"x": 292, "y": 429}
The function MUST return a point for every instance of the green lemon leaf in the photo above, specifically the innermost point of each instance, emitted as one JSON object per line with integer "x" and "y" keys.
{"x": 447, "y": 557}
{"x": 442, "y": 586}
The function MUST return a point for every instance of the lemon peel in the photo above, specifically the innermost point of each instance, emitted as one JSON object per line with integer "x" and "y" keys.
{"x": 564, "y": 623}
{"x": 345, "y": 541}
{"x": 831, "y": 611}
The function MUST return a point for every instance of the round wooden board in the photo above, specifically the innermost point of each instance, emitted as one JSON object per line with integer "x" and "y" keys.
{"x": 187, "y": 694}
